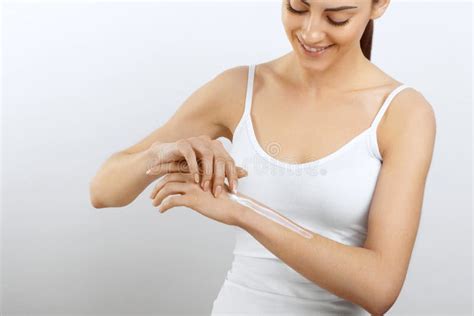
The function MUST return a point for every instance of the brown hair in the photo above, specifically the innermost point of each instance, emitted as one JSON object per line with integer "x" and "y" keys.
{"x": 366, "y": 39}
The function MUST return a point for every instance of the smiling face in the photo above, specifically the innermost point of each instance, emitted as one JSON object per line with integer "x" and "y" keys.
{"x": 321, "y": 23}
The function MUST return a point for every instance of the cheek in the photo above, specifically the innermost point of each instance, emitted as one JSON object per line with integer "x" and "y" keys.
{"x": 344, "y": 38}
{"x": 357, "y": 28}
{"x": 289, "y": 22}
{"x": 349, "y": 35}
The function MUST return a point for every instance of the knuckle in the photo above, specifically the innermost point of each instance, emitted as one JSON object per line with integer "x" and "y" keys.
{"x": 170, "y": 186}
{"x": 188, "y": 178}
{"x": 219, "y": 168}
{"x": 205, "y": 137}
{"x": 194, "y": 139}
{"x": 216, "y": 142}
{"x": 187, "y": 200}
{"x": 207, "y": 165}
{"x": 168, "y": 201}
{"x": 169, "y": 177}
{"x": 219, "y": 177}
{"x": 220, "y": 160}
{"x": 207, "y": 175}
{"x": 166, "y": 178}
{"x": 166, "y": 188}
{"x": 207, "y": 153}
{"x": 191, "y": 188}
{"x": 183, "y": 146}
{"x": 181, "y": 142}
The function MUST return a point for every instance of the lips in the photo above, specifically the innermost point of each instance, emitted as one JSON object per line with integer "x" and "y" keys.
{"x": 315, "y": 47}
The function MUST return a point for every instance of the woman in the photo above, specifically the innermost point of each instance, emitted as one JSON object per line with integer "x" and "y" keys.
{"x": 349, "y": 165}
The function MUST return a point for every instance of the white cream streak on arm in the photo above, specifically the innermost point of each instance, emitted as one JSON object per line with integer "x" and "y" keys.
{"x": 270, "y": 214}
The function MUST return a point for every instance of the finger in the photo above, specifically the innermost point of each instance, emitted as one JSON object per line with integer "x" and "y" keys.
{"x": 158, "y": 186}
{"x": 205, "y": 155}
{"x": 168, "y": 189}
{"x": 188, "y": 153}
{"x": 229, "y": 168}
{"x": 226, "y": 188}
{"x": 231, "y": 174}
{"x": 220, "y": 156}
{"x": 170, "y": 177}
{"x": 219, "y": 174}
{"x": 173, "y": 201}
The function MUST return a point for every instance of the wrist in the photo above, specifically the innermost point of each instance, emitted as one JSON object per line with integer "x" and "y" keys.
{"x": 240, "y": 215}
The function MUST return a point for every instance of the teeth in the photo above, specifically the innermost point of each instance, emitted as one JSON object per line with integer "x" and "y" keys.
{"x": 314, "y": 49}
{"x": 311, "y": 49}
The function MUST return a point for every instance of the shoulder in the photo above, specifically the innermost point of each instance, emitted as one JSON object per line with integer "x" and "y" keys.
{"x": 409, "y": 107}
{"x": 219, "y": 99}
{"x": 230, "y": 87}
{"x": 230, "y": 77}
{"x": 410, "y": 125}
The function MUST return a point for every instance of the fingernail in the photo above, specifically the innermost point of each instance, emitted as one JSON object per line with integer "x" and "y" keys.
{"x": 196, "y": 178}
{"x": 148, "y": 171}
{"x": 218, "y": 190}
{"x": 206, "y": 185}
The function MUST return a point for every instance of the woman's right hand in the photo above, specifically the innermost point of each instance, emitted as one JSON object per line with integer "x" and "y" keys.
{"x": 193, "y": 155}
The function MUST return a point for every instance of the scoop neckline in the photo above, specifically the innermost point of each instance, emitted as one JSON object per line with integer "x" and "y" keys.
{"x": 251, "y": 130}
{"x": 311, "y": 163}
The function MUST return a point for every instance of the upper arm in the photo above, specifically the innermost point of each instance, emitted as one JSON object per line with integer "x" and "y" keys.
{"x": 395, "y": 211}
{"x": 202, "y": 113}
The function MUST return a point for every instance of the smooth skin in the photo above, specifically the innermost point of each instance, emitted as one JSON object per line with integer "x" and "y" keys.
{"x": 333, "y": 99}
{"x": 215, "y": 160}
{"x": 201, "y": 119}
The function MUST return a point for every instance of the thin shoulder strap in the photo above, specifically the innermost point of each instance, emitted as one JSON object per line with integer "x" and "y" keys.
{"x": 248, "y": 98}
{"x": 385, "y": 105}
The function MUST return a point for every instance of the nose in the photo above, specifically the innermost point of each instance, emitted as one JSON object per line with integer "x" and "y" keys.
{"x": 312, "y": 30}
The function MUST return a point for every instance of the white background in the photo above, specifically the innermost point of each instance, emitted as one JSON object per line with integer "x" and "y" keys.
{"x": 83, "y": 80}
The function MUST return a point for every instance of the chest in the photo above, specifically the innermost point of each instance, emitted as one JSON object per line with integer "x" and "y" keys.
{"x": 298, "y": 130}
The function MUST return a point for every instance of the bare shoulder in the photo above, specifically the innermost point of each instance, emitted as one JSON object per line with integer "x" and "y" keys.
{"x": 210, "y": 110}
{"x": 410, "y": 115}
{"x": 231, "y": 85}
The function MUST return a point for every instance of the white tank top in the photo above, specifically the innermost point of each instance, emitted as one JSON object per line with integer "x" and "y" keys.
{"x": 330, "y": 196}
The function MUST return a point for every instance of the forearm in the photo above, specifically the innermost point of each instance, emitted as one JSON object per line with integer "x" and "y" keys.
{"x": 121, "y": 179}
{"x": 352, "y": 273}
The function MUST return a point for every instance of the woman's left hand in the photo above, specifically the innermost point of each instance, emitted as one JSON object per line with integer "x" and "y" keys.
{"x": 179, "y": 189}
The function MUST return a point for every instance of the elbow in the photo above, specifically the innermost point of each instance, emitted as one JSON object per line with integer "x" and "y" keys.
{"x": 380, "y": 309}
{"x": 384, "y": 300}
{"x": 94, "y": 200}
{"x": 96, "y": 203}
{"x": 93, "y": 197}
